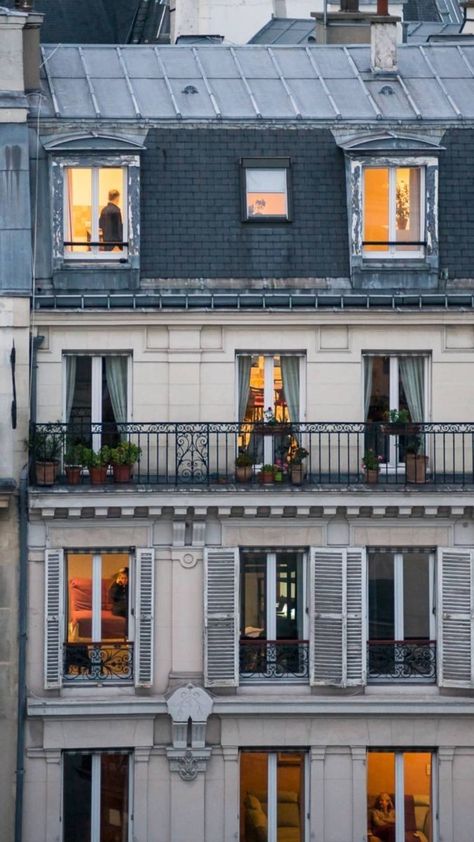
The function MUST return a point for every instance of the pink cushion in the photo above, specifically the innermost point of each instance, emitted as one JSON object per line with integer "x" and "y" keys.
{"x": 80, "y": 591}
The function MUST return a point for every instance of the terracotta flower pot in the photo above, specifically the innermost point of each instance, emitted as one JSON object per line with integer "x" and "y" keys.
{"x": 73, "y": 474}
{"x": 416, "y": 467}
{"x": 45, "y": 473}
{"x": 243, "y": 473}
{"x": 267, "y": 477}
{"x": 122, "y": 473}
{"x": 297, "y": 474}
{"x": 371, "y": 476}
{"x": 98, "y": 475}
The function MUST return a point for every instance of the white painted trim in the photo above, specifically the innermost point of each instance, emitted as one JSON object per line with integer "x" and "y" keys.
{"x": 270, "y": 619}
{"x": 393, "y": 252}
{"x": 272, "y": 784}
{"x": 399, "y": 796}
{"x": 95, "y": 798}
{"x": 96, "y": 630}
{"x": 398, "y": 612}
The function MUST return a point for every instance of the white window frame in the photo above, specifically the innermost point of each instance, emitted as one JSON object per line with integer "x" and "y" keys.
{"x": 96, "y": 791}
{"x": 394, "y": 377}
{"x": 97, "y": 594}
{"x": 396, "y": 252}
{"x": 272, "y": 783}
{"x": 400, "y": 789}
{"x": 95, "y": 254}
{"x": 398, "y": 555}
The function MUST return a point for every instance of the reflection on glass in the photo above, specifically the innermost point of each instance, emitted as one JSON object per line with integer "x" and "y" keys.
{"x": 114, "y": 798}
{"x": 97, "y": 597}
{"x": 376, "y": 208}
{"x": 253, "y": 796}
{"x": 93, "y": 209}
{"x": 266, "y": 193}
{"x": 77, "y": 796}
{"x": 416, "y": 590}
{"x": 408, "y": 193}
{"x": 288, "y": 612}
{"x": 381, "y": 597}
{"x": 381, "y": 799}
{"x": 290, "y": 796}
{"x": 253, "y": 596}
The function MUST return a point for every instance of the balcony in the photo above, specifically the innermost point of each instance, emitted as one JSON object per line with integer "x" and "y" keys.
{"x": 405, "y": 661}
{"x": 424, "y": 455}
{"x": 98, "y": 662}
{"x": 274, "y": 659}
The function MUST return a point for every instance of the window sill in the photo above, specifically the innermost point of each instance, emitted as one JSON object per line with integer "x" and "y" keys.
{"x": 96, "y": 276}
{"x": 268, "y": 220}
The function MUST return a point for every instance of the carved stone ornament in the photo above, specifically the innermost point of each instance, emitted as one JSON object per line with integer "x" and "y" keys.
{"x": 189, "y": 707}
{"x": 190, "y": 702}
{"x": 188, "y": 767}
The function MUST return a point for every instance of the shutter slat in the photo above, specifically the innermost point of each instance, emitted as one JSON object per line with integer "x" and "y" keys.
{"x": 221, "y": 611}
{"x": 455, "y": 618}
{"x": 145, "y": 601}
{"x": 355, "y": 630}
{"x": 54, "y": 621}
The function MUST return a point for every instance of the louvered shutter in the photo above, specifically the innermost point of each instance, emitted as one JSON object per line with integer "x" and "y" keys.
{"x": 337, "y": 617}
{"x": 221, "y": 617}
{"x": 54, "y": 618}
{"x": 144, "y": 627}
{"x": 455, "y": 618}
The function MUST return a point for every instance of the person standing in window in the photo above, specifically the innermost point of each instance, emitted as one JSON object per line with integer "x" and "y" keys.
{"x": 110, "y": 223}
{"x": 118, "y": 593}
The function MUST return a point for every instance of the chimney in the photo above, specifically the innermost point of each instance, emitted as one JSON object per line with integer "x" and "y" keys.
{"x": 31, "y": 46}
{"x": 467, "y": 27}
{"x": 383, "y": 40}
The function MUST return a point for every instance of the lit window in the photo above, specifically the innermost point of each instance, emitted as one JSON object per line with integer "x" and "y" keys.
{"x": 265, "y": 189}
{"x": 393, "y": 212}
{"x": 95, "y": 221}
{"x": 96, "y": 398}
{"x": 272, "y": 804}
{"x": 96, "y": 796}
{"x": 395, "y": 779}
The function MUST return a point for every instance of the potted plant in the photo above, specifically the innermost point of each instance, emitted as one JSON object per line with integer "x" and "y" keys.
{"x": 97, "y": 463}
{"x": 244, "y": 465}
{"x": 266, "y": 474}
{"x": 296, "y": 465}
{"x": 271, "y": 426}
{"x": 371, "y": 466}
{"x": 73, "y": 459}
{"x": 279, "y": 470}
{"x": 123, "y": 458}
{"x": 45, "y": 447}
{"x": 415, "y": 462}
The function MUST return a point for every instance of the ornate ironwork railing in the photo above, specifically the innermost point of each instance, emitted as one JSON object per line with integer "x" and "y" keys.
{"x": 204, "y": 453}
{"x": 401, "y": 660}
{"x": 98, "y": 661}
{"x": 267, "y": 659}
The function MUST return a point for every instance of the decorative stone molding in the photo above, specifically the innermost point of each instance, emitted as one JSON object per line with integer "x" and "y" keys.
{"x": 189, "y": 707}
{"x": 187, "y": 558}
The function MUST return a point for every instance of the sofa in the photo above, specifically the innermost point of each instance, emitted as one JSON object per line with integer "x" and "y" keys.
{"x": 288, "y": 817}
{"x": 417, "y": 818}
{"x": 80, "y": 612}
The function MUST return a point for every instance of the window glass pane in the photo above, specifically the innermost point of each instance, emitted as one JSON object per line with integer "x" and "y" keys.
{"x": 79, "y": 597}
{"x": 417, "y": 786}
{"x": 266, "y": 193}
{"x": 290, "y": 797}
{"x": 77, "y": 797}
{"x": 376, "y": 208}
{"x": 288, "y": 609}
{"x": 79, "y": 397}
{"x": 114, "y": 798}
{"x": 115, "y": 596}
{"x": 381, "y": 802}
{"x": 253, "y": 796}
{"x": 253, "y": 596}
{"x": 407, "y": 206}
{"x": 111, "y": 208}
{"x": 416, "y": 596}
{"x": 78, "y": 208}
{"x": 114, "y": 397}
{"x": 381, "y": 596}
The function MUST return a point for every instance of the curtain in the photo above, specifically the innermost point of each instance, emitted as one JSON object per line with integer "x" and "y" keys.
{"x": 290, "y": 375}
{"x": 245, "y": 364}
{"x": 368, "y": 369}
{"x": 71, "y": 365}
{"x": 116, "y": 376}
{"x": 412, "y": 375}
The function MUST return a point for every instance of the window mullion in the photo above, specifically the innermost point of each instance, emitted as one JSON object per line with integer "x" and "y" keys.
{"x": 268, "y": 403}
{"x": 271, "y": 596}
{"x": 95, "y": 798}
{"x": 96, "y": 399}
{"x": 398, "y": 596}
{"x": 272, "y": 797}
{"x": 96, "y": 598}
{"x": 399, "y": 797}
{"x": 95, "y": 209}
{"x": 392, "y": 194}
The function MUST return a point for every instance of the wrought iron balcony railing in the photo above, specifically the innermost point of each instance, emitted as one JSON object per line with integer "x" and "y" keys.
{"x": 204, "y": 453}
{"x": 401, "y": 661}
{"x": 98, "y": 662}
{"x": 274, "y": 659}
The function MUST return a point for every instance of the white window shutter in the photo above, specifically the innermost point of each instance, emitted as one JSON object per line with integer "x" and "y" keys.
{"x": 144, "y": 626}
{"x": 221, "y": 617}
{"x": 337, "y": 617}
{"x": 54, "y": 618}
{"x": 455, "y": 618}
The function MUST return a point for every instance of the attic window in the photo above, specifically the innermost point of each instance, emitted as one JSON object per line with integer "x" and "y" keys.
{"x": 393, "y": 210}
{"x": 94, "y": 221}
{"x": 265, "y": 190}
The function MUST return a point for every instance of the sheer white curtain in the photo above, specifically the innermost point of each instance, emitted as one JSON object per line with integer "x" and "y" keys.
{"x": 244, "y": 365}
{"x": 116, "y": 376}
{"x": 368, "y": 370}
{"x": 290, "y": 375}
{"x": 413, "y": 380}
{"x": 71, "y": 366}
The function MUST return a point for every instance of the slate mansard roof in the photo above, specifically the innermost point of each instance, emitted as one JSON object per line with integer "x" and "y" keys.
{"x": 207, "y": 83}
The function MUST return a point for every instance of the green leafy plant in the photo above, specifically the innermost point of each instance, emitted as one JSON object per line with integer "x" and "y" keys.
{"x": 244, "y": 459}
{"x": 267, "y": 469}
{"x": 126, "y": 453}
{"x": 45, "y": 445}
{"x": 74, "y": 454}
{"x": 297, "y": 455}
{"x": 398, "y": 416}
{"x": 371, "y": 461}
{"x": 91, "y": 459}
{"x": 413, "y": 444}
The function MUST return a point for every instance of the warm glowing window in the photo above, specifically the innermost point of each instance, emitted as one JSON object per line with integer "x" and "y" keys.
{"x": 266, "y": 189}
{"x": 95, "y": 223}
{"x": 95, "y": 796}
{"x": 399, "y": 796}
{"x": 272, "y": 796}
{"x": 393, "y": 211}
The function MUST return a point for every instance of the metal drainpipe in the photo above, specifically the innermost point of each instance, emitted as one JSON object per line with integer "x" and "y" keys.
{"x": 22, "y": 629}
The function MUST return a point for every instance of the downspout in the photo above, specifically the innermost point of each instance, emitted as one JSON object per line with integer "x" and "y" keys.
{"x": 22, "y": 635}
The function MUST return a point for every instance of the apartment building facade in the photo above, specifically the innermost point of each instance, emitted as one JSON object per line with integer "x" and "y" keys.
{"x": 254, "y": 283}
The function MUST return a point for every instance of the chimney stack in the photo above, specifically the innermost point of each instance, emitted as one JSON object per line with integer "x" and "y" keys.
{"x": 383, "y": 40}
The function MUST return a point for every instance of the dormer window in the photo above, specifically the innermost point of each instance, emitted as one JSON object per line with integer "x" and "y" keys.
{"x": 393, "y": 212}
{"x": 95, "y": 217}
